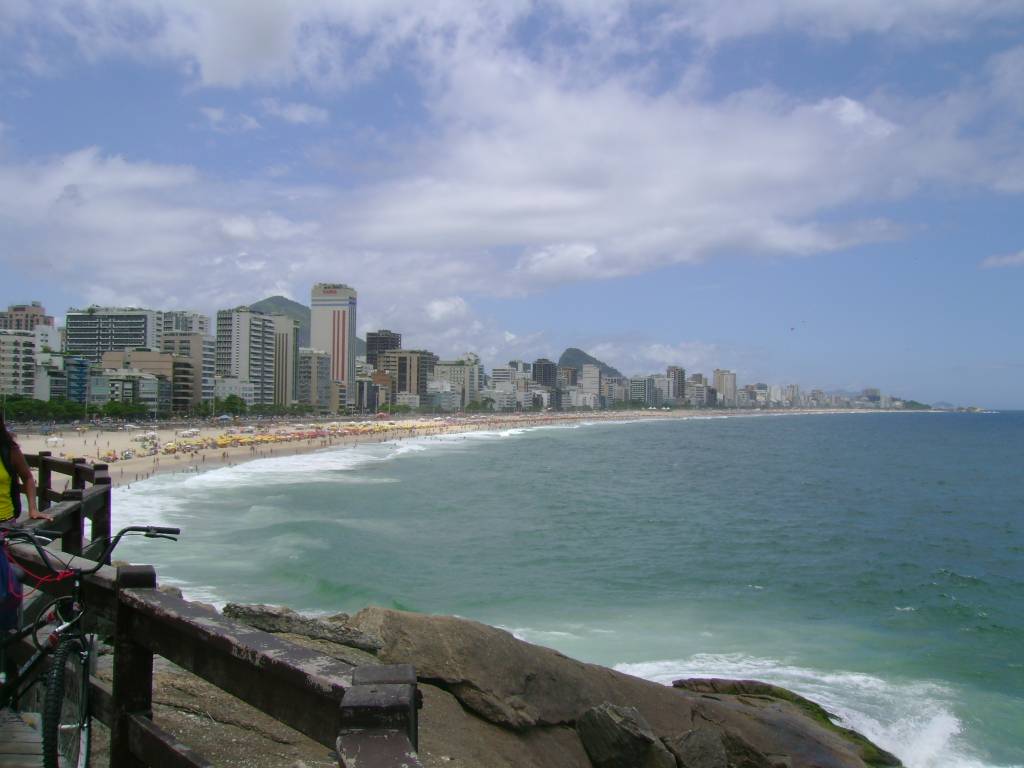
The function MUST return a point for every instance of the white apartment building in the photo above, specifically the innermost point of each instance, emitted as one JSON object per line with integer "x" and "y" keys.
{"x": 91, "y": 332}
{"x": 333, "y": 329}
{"x": 245, "y": 350}
{"x": 17, "y": 362}
{"x": 465, "y": 375}
{"x": 590, "y": 379}
{"x": 725, "y": 385}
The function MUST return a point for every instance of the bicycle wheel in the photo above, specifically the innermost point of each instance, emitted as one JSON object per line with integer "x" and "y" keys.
{"x": 66, "y": 707}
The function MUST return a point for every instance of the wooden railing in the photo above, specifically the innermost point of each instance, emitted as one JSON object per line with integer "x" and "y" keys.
{"x": 368, "y": 714}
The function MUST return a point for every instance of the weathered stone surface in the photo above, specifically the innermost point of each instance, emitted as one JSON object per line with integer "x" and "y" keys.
{"x": 699, "y": 748}
{"x": 278, "y": 619}
{"x": 510, "y": 682}
{"x": 522, "y": 686}
{"x": 619, "y": 737}
{"x": 765, "y": 698}
{"x": 452, "y": 737}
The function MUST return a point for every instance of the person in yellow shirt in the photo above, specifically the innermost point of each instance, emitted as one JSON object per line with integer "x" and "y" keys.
{"x": 13, "y": 468}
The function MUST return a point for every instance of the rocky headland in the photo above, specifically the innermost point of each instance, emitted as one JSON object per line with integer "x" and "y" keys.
{"x": 493, "y": 701}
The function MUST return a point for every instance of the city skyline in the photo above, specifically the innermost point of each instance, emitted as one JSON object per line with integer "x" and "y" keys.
{"x": 809, "y": 193}
{"x": 283, "y": 336}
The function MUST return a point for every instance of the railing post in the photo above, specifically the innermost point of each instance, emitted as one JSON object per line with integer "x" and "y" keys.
{"x": 380, "y": 705}
{"x": 99, "y": 531}
{"x": 43, "y": 481}
{"x": 71, "y": 540}
{"x": 77, "y": 476}
{"x": 133, "y": 670}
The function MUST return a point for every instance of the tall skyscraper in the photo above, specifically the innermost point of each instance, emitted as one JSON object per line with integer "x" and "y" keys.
{"x": 201, "y": 350}
{"x": 333, "y": 329}
{"x": 725, "y": 384}
{"x": 93, "y": 331}
{"x": 286, "y": 358}
{"x": 678, "y": 376}
{"x": 381, "y": 341}
{"x": 590, "y": 379}
{"x": 245, "y": 350}
{"x": 545, "y": 372}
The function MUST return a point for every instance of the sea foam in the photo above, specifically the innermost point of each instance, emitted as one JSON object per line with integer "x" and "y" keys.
{"x": 915, "y": 720}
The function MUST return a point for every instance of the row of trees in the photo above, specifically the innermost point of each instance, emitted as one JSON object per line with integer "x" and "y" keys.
{"x": 20, "y": 408}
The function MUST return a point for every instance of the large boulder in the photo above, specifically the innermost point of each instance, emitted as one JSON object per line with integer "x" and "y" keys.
{"x": 619, "y": 737}
{"x": 520, "y": 686}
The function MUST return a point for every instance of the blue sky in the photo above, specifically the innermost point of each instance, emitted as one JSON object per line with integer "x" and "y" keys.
{"x": 824, "y": 192}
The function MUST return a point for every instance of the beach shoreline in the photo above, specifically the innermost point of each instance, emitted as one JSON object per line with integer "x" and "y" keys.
{"x": 244, "y": 442}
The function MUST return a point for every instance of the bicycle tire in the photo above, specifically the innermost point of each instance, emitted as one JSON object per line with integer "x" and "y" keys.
{"x": 66, "y": 732}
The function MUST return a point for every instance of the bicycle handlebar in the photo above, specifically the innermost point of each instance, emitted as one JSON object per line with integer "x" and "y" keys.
{"x": 149, "y": 531}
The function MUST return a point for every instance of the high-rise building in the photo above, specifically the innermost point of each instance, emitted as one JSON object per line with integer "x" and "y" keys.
{"x": 333, "y": 329}
{"x": 520, "y": 367}
{"x": 641, "y": 390}
{"x": 678, "y": 376}
{"x": 662, "y": 389}
{"x": 545, "y": 372}
{"x": 381, "y": 341}
{"x": 17, "y": 362}
{"x": 313, "y": 383}
{"x": 465, "y": 375}
{"x": 185, "y": 321}
{"x": 725, "y": 385}
{"x": 403, "y": 366}
{"x": 286, "y": 358}
{"x": 177, "y": 372}
{"x": 24, "y": 317}
{"x": 91, "y": 332}
{"x": 201, "y": 351}
{"x": 245, "y": 350}
{"x": 590, "y": 379}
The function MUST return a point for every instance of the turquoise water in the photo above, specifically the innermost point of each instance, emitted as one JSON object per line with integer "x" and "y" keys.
{"x": 872, "y": 562}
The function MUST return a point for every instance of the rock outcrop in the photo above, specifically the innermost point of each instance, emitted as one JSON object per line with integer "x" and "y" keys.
{"x": 518, "y": 686}
{"x": 492, "y": 701}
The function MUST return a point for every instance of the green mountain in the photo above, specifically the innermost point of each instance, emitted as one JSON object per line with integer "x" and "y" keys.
{"x": 296, "y": 311}
{"x": 576, "y": 358}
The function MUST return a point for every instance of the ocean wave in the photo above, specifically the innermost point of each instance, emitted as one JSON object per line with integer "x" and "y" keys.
{"x": 915, "y": 720}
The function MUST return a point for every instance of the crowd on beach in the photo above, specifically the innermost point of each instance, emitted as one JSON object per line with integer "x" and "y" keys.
{"x": 134, "y": 454}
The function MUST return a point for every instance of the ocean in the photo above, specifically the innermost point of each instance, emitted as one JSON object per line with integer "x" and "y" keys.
{"x": 872, "y": 562}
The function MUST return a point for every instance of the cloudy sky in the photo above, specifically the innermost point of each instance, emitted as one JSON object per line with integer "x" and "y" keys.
{"x": 817, "y": 191}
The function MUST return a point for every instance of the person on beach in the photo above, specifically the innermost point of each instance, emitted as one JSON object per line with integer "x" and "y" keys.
{"x": 13, "y": 468}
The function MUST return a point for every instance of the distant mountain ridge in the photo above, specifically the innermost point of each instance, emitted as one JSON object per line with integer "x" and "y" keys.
{"x": 577, "y": 358}
{"x": 293, "y": 309}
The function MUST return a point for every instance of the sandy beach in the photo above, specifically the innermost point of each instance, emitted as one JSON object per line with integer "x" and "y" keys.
{"x": 133, "y": 455}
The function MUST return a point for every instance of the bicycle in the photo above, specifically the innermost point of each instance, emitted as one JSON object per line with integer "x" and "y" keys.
{"x": 65, "y": 717}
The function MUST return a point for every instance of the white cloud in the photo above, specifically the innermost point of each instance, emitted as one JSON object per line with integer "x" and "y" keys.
{"x": 444, "y": 310}
{"x": 533, "y": 168}
{"x": 715, "y": 21}
{"x": 294, "y": 112}
{"x": 1009, "y": 260}
{"x": 220, "y": 120}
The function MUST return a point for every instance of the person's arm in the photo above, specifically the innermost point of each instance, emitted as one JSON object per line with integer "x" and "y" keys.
{"x": 28, "y": 483}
